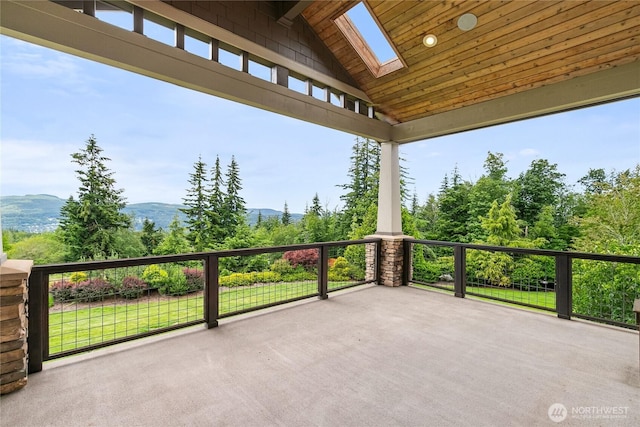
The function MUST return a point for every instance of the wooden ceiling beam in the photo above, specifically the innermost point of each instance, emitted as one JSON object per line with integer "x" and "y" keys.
{"x": 289, "y": 10}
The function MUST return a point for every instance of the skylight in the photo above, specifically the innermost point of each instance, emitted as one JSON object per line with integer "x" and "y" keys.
{"x": 371, "y": 32}
{"x": 368, "y": 39}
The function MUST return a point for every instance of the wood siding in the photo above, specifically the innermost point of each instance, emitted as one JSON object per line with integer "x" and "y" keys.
{"x": 516, "y": 46}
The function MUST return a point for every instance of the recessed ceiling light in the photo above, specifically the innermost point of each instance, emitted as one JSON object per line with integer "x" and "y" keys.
{"x": 430, "y": 40}
{"x": 467, "y": 22}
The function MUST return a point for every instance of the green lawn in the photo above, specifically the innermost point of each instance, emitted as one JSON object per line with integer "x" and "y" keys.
{"x": 107, "y": 321}
{"x": 513, "y": 296}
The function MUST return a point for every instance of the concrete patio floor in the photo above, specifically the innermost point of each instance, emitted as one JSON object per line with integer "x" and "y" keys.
{"x": 373, "y": 356}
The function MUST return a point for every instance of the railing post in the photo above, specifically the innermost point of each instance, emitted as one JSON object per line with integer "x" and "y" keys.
{"x": 38, "y": 326}
{"x": 379, "y": 262}
{"x": 460, "y": 270}
{"x": 211, "y": 292}
{"x": 407, "y": 270}
{"x": 323, "y": 272}
{"x": 564, "y": 287}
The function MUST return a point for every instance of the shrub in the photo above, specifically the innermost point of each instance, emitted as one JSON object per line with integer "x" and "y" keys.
{"x": 62, "y": 291}
{"x": 155, "y": 276}
{"x": 281, "y": 266}
{"x": 78, "y": 277}
{"x": 356, "y": 256}
{"x": 432, "y": 270}
{"x": 132, "y": 287}
{"x": 307, "y": 258}
{"x": 529, "y": 272}
{"x": 174, "y": 284}
{"x": 340, "y": 271}
{"x": 195, "y": 279}
{"x": 494, "y": 267}
{"x": 93, "y": 290}
{"x": 299, "y": 275}
{"x": 246, "y": 279}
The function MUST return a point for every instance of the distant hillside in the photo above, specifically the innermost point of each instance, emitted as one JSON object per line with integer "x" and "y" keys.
{"x": 40, "y": 212}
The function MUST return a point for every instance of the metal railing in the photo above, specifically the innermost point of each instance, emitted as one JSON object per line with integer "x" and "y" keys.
{"x": 82, "y": 306}
{"x": 595, "y": 287}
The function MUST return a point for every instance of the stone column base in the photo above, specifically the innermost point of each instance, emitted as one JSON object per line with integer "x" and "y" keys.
{"x": 13, "y": 324}
{"x": 392, "y": 259}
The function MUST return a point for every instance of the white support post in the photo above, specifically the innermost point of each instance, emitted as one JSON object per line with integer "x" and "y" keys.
{"x": 389, "y": 201}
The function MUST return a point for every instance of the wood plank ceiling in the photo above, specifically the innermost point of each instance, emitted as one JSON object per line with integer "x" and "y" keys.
{"x": 516, "y": 46}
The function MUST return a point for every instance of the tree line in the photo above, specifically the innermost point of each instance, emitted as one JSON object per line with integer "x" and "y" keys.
{"x": 535, "y": 209}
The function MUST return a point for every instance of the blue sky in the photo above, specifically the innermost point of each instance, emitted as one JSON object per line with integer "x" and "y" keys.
{"x": 154, "y": 131}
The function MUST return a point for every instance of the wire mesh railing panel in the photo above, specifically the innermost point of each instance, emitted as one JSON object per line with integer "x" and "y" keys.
{"x": 605, "y": 290}
{"x": 92, "y": 307}
{"x": 433, "y": 266}
{"x": 249, "y": 282}
{"x": 347, "y": 265}
{"x": 510, "y": 277}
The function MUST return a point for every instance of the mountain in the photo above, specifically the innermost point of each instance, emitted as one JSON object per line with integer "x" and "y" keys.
{"x": 37, "y": 213}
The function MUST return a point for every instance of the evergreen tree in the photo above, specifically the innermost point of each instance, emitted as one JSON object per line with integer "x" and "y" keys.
{"x": 175, "y": 242}
{"x": 453, "y": 207}
{"x": 362, "y": 190}
{"x": 415, "y": 204}
{"x": 316, "y": 209}
{"x": 233, "y": 209}
{"x": 215, "y": 208}
{"x": 427, "y": 218}
{"x": 539, "y": 186}
{"x": 151, "y": 236}
{"x": 500, "y": 223}
{"x": 197, "y": 204}
{"x": 286, "y": 216}
{"x": 89, "y": 223}
{"x": 491, "y": 186}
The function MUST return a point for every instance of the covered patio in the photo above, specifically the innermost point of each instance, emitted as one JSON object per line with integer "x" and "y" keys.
{"x": 367, "y": 356}
{"x": 376, "y": 355}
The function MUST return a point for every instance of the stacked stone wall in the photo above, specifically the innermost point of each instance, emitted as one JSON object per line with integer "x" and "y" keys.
{"x": 13, "y": 324}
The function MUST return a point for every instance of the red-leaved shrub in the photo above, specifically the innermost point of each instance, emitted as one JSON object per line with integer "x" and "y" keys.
{"x": 307, "y": 258}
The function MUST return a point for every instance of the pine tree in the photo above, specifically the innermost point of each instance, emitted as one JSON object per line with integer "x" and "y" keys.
{"x": 233, "y": 209}
{"x": 196, "y": 207}
{"x": 316, "y": 209}
{"x": 151, "y": 236}
{"x": 362, "y": 190}
{"x": 175, "y": 242}
{"x": 500, "y": 223}
{"x": 453, "y": 204}
{"x": 215, "y": 206}
{"x": 89, "y": 223}
{"x": 491, "y": 186}
{"x": 286, "y": 216}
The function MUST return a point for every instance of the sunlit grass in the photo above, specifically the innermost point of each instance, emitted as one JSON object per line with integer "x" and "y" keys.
{"x": 72, "y": 329}
{"x": 544, "y": 299}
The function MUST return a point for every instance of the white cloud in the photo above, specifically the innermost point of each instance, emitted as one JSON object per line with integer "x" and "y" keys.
{"x": 59, "y": 70}
{"x": 34, "y": 167}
